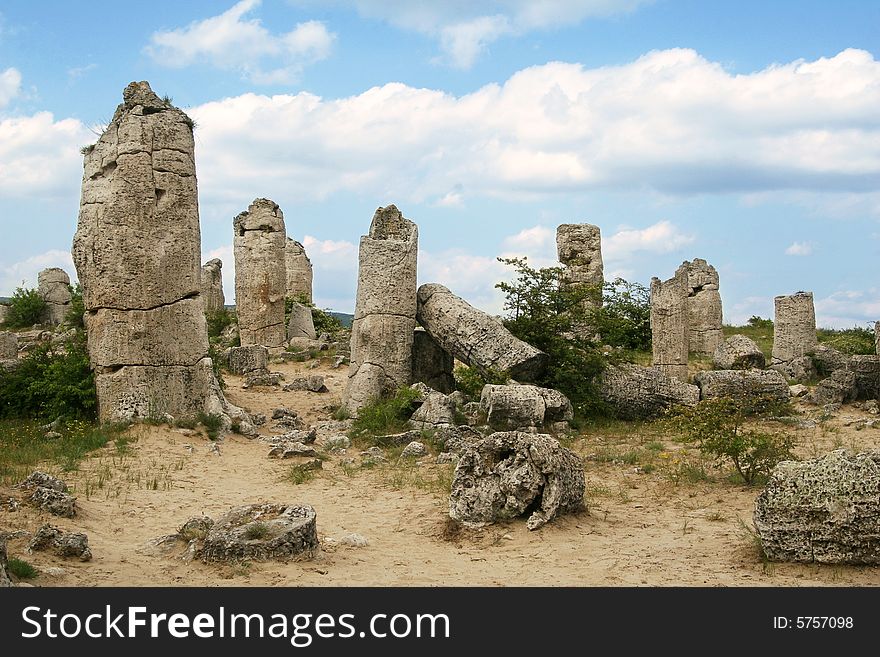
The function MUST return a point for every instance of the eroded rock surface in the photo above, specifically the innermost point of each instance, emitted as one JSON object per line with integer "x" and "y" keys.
{"x": 431, "y": 363}
{"x": 62, "y": 543}
{"x": 670, "y": 325}
{"x": 54, "y": 286}
{"x": 738, "y": 353}
{"x": 767, "y": 384}
{"x": 212, "y": 286}
{"x": 261, "y": 532}
{"x": 704, "y": 307}
{"x": 794, "y": 327}
{"x": 635, "y": 392}
{"x": 298, "y": 271}
{"x": 300, "y": 324}
{"x": 510, "y": 407}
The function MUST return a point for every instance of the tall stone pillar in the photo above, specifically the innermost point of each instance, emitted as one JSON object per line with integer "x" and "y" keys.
{"x": 212, "y": 286}
{"x": 385, "y": 309}
{"x": 704, "y": 307}
{"x": 794, "y": 327}
{"x": 579, "y": 249}
{"x": 260, "y": 281}
{"x": 54, "y": 286}
{"x": 298, "y": 271}
{"x": 670, "y": 327}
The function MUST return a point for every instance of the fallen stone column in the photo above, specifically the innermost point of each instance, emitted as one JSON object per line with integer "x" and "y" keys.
{"x": 670, "y": 326}
{"x": 634, "y": 392}
{"x": 474, "y": 337}
{"x": 794, "y": 327}
{"x": 743, "y": 384}
{"x": 385, "y": 309}
{"x": 298, "y": 269}
{"x": 260, "y": 278}
{"x": 54, "y": 286}
{"x": 212, "y": 286}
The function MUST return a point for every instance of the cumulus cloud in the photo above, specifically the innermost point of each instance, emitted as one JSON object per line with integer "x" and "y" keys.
{"x": 849, "y": 308}
{"x": 799, "y": 249}
{"x": 24, "y": 272}
{"x": 661, "y": 237}
{"x": 10, "y": 85}
{"x": 230, "y": 41}
{"x": 670, "y": 121}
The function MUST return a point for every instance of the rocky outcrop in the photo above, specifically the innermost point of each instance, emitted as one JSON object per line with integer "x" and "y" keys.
{"x": 742, "y": 384}
{"x": 436, "y": 410}
{"x": 511, "y": 474}
{"x": 827, "y": 360}
{"x": 579, "y": 249}
{"x": 475, "y": 338}
{"x": 260, "y": 532}
{"x": 823, "y": 510}
{"x": 8, "y": 345}
{"x": 62, "y": 543}
{"x": 839, "y": 388}
{"x": 298, "y": 272}
{"x": 866, "y": 369}
{"x": 300, "y": 324}
{"x": 670, "y": 325}
{"x": 212, "y": 286}
{"x": 49, "y": 494}
{"x": 634, "y": 392}
{"x": 738, "y": 353}
{"x": 431, "y": 363}
{"x": 794, "y": 327}
{"x": 704, "y": 307}
{"x": 385, "y": 309}
{"x": 5, "y": 580}
{"x": 54, "y": 286}
{"x": 260, "y": 278}
{"x": 136, "y": 252}
{"x": 244, "y": 360}
{"x": 512, "y": 407}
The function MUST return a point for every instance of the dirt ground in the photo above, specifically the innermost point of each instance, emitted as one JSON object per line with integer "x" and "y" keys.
{"x": 644, "y": 526}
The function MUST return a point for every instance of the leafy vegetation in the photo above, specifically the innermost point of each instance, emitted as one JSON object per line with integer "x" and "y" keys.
{"x": 77, "y": 309}
{"x": 21, "y": 568}
{"x": 26, "y": 308}
{"x": 856, "y": 340}
{"x": 624, "y": 319}
{"x": 470, "y": 381}
{"x": 218, "y": 321}
{"x": 212, "y": 422}
{"x": 385, "y": 416}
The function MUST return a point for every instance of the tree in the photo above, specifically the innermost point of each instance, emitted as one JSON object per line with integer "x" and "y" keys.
{"x": 26, "y": 308}
{"x": 624, "y": 319}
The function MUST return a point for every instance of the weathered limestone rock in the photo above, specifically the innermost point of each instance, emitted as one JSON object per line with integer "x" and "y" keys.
{"x": 312, "y": 383}
{"x": 261, "y": 532}
{"x": 414, "y": 450}
{"x": 839, "y": 388}
{"x": 49, "y": 494}
{"x": 301, "y": 324}
{"x": 510, "y": 473}
{"x": 475, "y": 338}
{"x": 794, "y": 327}
{"x": 8, "y": 345}
{"x": 298, "y": 269}
{"x": 635, "y": 392}
{"x": 244, "y": 360}
{"x": 260, "y": 276}
{"x": 824, "y": 510}
{"x": 54, "y": 286}
{"x": 62, "y": 543}
{"x": 511, "y": 407}
{"x": 5, "y": 580}
{"x": 436, "y": 409}
{"x": 704, "y": 307}
{"x": 670, "y": 325}
{"x": 738, "y": 353}
{"x": 828, "y": 360}
{"x": 136, "y": 252}
{"x": 431, "y": 363}
{"x": 212, "y": 286}
{"x": 768, "y": 384}
{"x": 798, "y": 369}
{"x": 385, "y": 309}
{"x": 867, "y": 373}
{"x": 579, "y": 249}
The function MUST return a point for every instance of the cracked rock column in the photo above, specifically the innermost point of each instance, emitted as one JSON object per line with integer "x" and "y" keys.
{"x": 260, "y": 279}
{"x": 212, "y": 286}
{"x": 54, "y": 286}
{"x": 704, "y": 307}
{"x": 669, "y": 325}
{"x": 385, "y": 309}
{"x": 579, "y": 249}
{"x": 298, "y": 269}
{"x": 136, "y": 252}
{"x": 794, "y": 327}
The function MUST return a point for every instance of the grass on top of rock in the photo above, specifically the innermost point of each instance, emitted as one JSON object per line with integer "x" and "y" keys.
{"x": 384, "y": 416}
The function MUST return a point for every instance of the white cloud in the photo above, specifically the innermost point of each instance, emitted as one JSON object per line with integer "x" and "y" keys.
{"x": 77, "y": 72}
{"x": 232, "y": 42}
{"x": 661, "y": 237}
{"x": 799, "y": 249}
{"x": 465, "y": 28}
{"x": 24, "y": 272}
{"x": 10, "y": 85}
{"x": 670, "y": 121}
{"x": 849, "y": 308}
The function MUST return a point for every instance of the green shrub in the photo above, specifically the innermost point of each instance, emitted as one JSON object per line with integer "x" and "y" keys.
{"x": 50, "y": 382}
{"x": 852, "y": 341}
{"x": 325, "y": 322}
{"x": 717, "y": 426}
{"x": 212, "y": 422}
{"x": 21, "y": 569}
{"x": 26, "y": 308}
{"x": 217, "y": 364}
{"x": 218, "y": 321}
{"x": 77, "y": 309}
{"x": 624, "y": 319}
{"x": 470, "y": 381}
{"x": 384, "y": 416}
{"x": 760, "y": 322}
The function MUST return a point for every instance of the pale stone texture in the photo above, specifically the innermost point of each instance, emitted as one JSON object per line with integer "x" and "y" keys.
{"x": 475, "y": 338}
{"x": 261, "y": 532}
{"x": 742, "y": 384}
{"x": 8, "y": 345}
{"x": 136, "y": 252}
{"x": 243, "y": 360}
{"x": 508, "y": 474}
{"x": 212, "y": 286}
{"x": 738, "y": 353}
{"x": 260, "y": 278}
{"x": 635, "y": 392}
{"x": 436, "y": 410}
{"x": 828, "y": 360}
{"x": 510, "y": 407}
{"x": 704, "y": 307}
{"x": 670, "y": 326}
{"x": 579, "y": 249}
{"x": 431, "y": 363}
{"x": 867, "y": 374}
{"x": 385, "y": 309}
{"x": 4, "y": 311}
{"x": 300, "y": 324}
{"x": 794, "y": 327}
{"x": 838, "y": 388}
{"x": 54, "y": 286}
{"x": 824, "y": 510}
{"x": 298, "y": 269}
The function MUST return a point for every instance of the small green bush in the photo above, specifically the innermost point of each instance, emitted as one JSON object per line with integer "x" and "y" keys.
{"x": 218, "y": 321}
{"x": 470, "y": 381}
{"x": 384, "y": 416}
{"x": 21, "y": 569}
{"x": 77, "y": 309}
{"x": 624, "y": 318}
{"x": 760, "y": 322}
{"x": 26, "y": 308}
{"x": 852, "y": 341}
{"x": 212, "y": 422}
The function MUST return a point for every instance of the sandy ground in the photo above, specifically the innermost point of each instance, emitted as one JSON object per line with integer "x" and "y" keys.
{"x": 640, "y": 529}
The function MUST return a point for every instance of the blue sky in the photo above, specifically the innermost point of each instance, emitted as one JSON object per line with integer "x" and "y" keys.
{"x": 745, "y": 133}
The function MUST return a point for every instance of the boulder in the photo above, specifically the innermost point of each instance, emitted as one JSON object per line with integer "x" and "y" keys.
{"x": 49, "y": 494}
{"x": 767, "y": 384}
{"x": 867, "y": 373}
{"x": 431, "y": 363}
{"x": 521, "y": 406}
{"x": 311, "y": 383}
{"x": 824, "y": 510}
{"x": 511, "y": 474}
{"x": 828, "y": 360}
{"x": 261, "y": 532}
{"x": 738, "y": 353}
{"x": 300, "y": 324}
{"x": 839, "y": 388}
{"x": 8, "y": 345}
{"x": 436, "y": 409}
{"x": 797, "y": 369}
{"x": 414, "y": 450}
{"x": 244, "y": 360}
{"x": 62, "y": 543}
{"x": 5, "y": 580}
{"x": 635, "y": 392}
